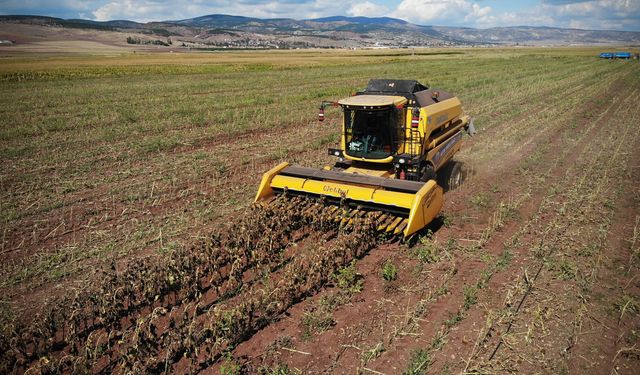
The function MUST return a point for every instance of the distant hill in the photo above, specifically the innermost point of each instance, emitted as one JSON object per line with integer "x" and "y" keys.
{"x": 227, "y": 31}
{"x": 370, "y": 20}
{"x": 218, "y": 20}
{"x": 540, "y": 35}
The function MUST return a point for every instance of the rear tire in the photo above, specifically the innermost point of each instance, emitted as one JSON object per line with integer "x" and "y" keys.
{"x": 452, "y": 176}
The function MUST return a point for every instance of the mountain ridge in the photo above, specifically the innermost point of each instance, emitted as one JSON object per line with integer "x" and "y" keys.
{"x": 231, "y": 31}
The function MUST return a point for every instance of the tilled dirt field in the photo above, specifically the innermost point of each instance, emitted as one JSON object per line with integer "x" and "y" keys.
{"x": 532, "y": 267}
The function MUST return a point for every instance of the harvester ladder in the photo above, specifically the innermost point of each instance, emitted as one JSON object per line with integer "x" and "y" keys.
{"x": 415, "y": 140}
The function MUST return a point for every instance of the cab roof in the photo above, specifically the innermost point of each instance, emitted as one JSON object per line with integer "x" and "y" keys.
{"x": 404, "y": 87}
{"x": 373, "y": 101}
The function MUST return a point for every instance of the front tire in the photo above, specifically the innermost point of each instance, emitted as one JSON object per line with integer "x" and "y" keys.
{"x": 427, "y": 173}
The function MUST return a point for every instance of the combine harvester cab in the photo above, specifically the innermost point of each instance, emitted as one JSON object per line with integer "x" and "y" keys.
{"x": 396, "y": 135}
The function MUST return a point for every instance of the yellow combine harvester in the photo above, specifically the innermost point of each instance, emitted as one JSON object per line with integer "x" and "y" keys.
{"x": 396, "y": 136}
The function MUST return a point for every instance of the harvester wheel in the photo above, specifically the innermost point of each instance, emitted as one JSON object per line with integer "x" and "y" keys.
{"x": 427, "y": 173}
{"x": 452, "y": 176}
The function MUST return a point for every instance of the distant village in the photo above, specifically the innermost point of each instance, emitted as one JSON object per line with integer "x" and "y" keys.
{"x": 328, "y": 42}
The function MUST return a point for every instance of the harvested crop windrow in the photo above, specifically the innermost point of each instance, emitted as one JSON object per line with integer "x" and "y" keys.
{"x": 197, "y": 303}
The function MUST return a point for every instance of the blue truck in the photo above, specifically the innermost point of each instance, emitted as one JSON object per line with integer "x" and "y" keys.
{"x": 622, "y": 55}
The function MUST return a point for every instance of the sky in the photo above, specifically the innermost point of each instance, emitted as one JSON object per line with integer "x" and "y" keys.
{"x": 581, "y": 14}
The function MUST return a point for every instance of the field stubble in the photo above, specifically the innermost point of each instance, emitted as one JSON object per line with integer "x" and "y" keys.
{"x": 111, "y": 163}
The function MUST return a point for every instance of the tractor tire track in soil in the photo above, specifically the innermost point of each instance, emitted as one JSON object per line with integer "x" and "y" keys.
{"x": 557, "y": 293}
{"x": 533, "y": 236}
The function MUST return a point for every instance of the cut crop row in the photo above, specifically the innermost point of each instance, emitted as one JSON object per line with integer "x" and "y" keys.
{"x": 217, "y": 267}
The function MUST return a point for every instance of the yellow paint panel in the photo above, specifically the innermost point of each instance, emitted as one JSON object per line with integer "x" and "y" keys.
{"x": 452, "y": 129}
{"x": 370, "y": 172}
{"x": 265, "y": 191}
{"x": 338, "y": 190}
{"x": 426, "y": 206}
{"x": 435, "y": 115}
{"x": 379, "y": 161}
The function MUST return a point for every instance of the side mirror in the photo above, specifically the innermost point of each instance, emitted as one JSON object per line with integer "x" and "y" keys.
{"x": 321, "y": 109}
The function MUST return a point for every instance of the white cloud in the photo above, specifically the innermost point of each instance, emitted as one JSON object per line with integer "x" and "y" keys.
{"x": 584, "y": 14}
{"x": 368, "y": 9}
{"x": 441, "y": 12}
{"x": 161, "y": 10}
{"x": 593, "y": 14}
{"x": 529, "y": 17}
{"x": 129, "y": 9}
